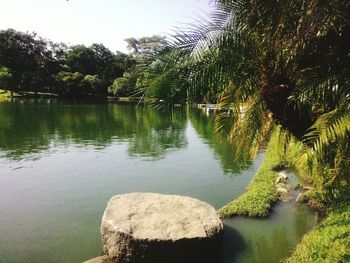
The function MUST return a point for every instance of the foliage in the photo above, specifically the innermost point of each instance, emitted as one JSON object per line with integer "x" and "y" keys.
{"x": 28, "y": 58}
{"x": 261, "y": 192}
{"x": 35, "y": 64}
{"x": 122, "y": 87}
{"x": 279, "y": 62}
{"x": 71, "y": 83}
{"x": 5, "y": 77}
{"x": 167, "y": 79}
{"x": 245, "y": 123}
{"x": 146, "y": 46}
{"x": 144, "y": 66}
{"x": 329, "y": 241}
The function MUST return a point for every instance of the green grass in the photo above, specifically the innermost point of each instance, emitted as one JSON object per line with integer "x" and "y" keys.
{"x": 327, "y": 242}
{"x": 261, "y": 192}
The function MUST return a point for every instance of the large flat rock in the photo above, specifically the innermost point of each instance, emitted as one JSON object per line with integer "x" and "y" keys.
{"x": 148, "y": 227}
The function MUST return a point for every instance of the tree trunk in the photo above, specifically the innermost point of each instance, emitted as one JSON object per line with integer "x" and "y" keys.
{"x": 294, "y": 119}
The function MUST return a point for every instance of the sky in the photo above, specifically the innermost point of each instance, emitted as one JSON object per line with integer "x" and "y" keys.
{"x": 99, "y": 21}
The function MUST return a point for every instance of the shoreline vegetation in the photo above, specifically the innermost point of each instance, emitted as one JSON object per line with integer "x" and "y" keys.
{"x": 6, "y": 95}
{"x": 261, "y": 192}
{"x": 328, "y": 241}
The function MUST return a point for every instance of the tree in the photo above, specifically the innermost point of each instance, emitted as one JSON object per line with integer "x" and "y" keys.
{"x": 98, "y": 61}
{"x": 5, "y": 78}
{"x": 81, "y": 59}
{"x": 122, "y": 87}
{"x": 28, "y": 58}
{"x": 139, "y": 67}
{"x": 71, "y": 84}
{"x": 146, "y": 46}
{"x": 33, "y": 64}
{"x": 278, "y": 63}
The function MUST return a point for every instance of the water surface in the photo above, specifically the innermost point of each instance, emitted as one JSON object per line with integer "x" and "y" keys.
{"x": 61, "y": 162}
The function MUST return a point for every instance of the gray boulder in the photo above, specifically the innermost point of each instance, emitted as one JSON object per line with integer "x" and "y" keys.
{"x": 148, "y": 227}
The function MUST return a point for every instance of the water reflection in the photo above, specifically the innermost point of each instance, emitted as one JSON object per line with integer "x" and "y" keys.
{"x": 233, "y": 244}
{"x": 268, "y": 240}
{"x": 30, "y": 127}
{"x": 86, "y": 154}
{"x": 224, "y": 151}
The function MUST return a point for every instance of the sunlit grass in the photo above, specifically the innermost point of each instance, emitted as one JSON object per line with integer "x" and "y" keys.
{"x": 261, "y": 192}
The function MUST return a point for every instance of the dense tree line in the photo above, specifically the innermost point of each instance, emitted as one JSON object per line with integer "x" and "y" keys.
{"x": 153, "y": 69}
{"x": 29, "y": 63}
{"x": 153, "y": 74}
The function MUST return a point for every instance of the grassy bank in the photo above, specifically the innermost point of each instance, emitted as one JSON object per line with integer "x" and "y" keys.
{"x": 261, "y": 192}
{"x": 327, "y": 242}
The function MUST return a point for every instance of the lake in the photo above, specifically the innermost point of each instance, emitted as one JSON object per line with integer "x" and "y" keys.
{"x": 60, "y": 162}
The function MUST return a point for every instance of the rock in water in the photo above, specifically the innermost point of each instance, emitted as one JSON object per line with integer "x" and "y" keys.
{"x": 282, "y": 178}
{"x": 156, "y": 228}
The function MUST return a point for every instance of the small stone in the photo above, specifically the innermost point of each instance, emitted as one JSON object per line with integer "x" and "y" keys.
{"x": 300, "y": 198}
{"x": 282, "y": 178}
{"x": 303, "y": 197}
{"x": 282, "y": 191}
{"x": 147, "y": 227}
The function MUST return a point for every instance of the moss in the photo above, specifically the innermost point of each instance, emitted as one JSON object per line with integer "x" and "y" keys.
{"x": 329, "y": 241}
{"x": 261, "y": 192}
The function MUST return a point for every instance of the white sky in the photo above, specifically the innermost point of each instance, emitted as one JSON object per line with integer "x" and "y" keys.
{"x": 99, "y": 21}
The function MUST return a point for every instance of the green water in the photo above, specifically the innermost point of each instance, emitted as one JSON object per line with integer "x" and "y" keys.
{"x": 61, "y": 162}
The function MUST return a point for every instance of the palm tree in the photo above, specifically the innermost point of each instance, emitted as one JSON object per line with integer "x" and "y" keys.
{"x": 281, "y": 63}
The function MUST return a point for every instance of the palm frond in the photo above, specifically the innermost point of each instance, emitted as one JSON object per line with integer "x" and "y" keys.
{"x": 326, "y": 151}
{"x": 329, "y": 127}
{"x": 244, "y": 122}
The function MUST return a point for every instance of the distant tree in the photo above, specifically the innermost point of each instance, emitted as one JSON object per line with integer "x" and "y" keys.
{"x": 94, "y": 84}
{"x": 30, "y": 63}
{"x": 123, "y": 62}
{"x": 139, "y": 66}
{"x": 133, "y": 45}
{"x": 71, "y": 84}
{"x": 5, "y": 78}
{"x": 28, "y": 58}
{"x": 81, "y": 59}
{"x": 122, "y": 87}
{"x": 97, "y": 61}
{"x": 146, "y": 45}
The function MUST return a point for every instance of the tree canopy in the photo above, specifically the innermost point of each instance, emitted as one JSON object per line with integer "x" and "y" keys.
{"x": 281, "y": 63}
{"x": 31, "y": 63}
